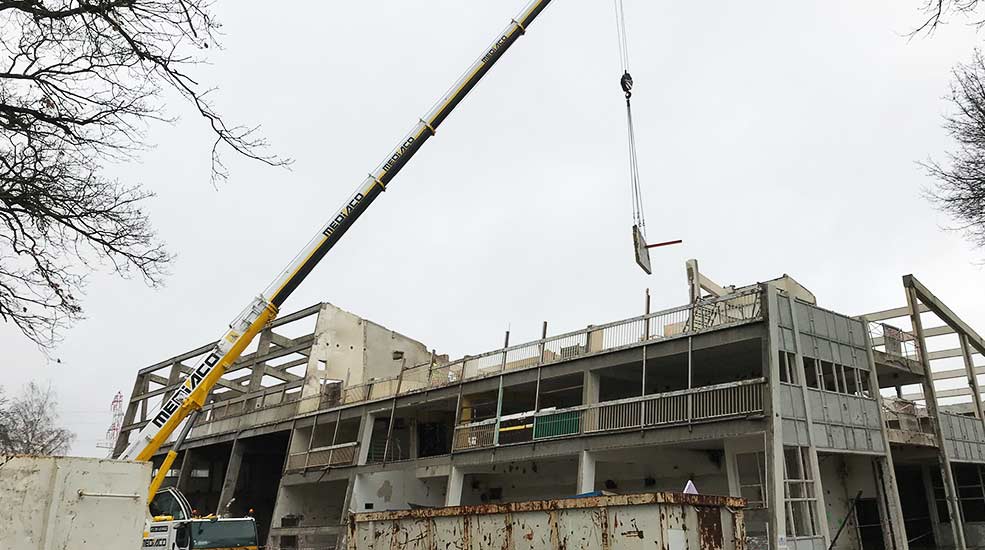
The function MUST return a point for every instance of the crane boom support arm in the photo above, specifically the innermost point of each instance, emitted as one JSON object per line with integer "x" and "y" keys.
{"x": 194, "y": 389}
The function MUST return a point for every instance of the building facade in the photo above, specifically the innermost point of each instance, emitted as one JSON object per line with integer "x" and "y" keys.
{"x": 836, "y": 429}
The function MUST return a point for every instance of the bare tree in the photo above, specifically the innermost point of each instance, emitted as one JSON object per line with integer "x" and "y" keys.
{"x": 29, "y": 424}
{"x": 959, "y": 190}
{"x": 960, "y": 182}
{"x": 936, "y": 13}
{"x": 80, "y": 80}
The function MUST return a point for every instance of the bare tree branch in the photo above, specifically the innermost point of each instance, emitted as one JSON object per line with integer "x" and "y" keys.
{"x": 960, "y": 187}
{"x": 937, "y": 11}
{"x": 79, "y": 82}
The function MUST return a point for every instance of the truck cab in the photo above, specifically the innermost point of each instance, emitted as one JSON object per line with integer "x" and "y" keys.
{"x": 174, "y": 528}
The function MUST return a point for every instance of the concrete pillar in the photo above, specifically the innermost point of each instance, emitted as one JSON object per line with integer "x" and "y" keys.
{"x": 184, "y": 474}
{"x": 231, "y": 478}
{"x": 350, "y": 488}
{"x": 774, "y": 425}
{"x": 590, "y": 388}
{"x": 414, "y": 451}
{"x": 456, "y": 482}
{"x": 928, "y": 489}
{"x": 586, "y": 473}
{"x": 887, "y": 489}
{"x": 969, "y": 365}
{"x": 819, "y": 493}
{"x": 930, "y": 399}
{"x": 347, "y": 507}
{"x": 257, "y": 369}
{"x": 887, "y": 498}
{"x": 365, "y": 437}
{"x": 731, "y": 469}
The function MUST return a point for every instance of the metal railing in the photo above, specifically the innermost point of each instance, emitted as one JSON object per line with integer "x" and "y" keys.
{"x": 342, "y": 454}
{"x": 689, "y": 319}
{"x": 709, "y": 403}
{"x": 705, "y": 315}
{"x": 893, "y": 341}
{"x": 474, "y": 436}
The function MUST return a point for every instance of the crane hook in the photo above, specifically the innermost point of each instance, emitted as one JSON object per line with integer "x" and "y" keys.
{"x": 626, "y": 81}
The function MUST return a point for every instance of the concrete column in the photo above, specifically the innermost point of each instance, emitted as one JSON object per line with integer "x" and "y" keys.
{"x": 821, "y": 507}
{"x": 590, "y": 388}
{"x": 930, "y": 399}
{"x": 586, "y": 473}
{"x": 774, "y": 425}
{"x": 184, "y": 474}
{"x": 731, "y": 469}
{"x": 350, "y": 488}
{"x": 887, "y": 499}
{"x": 969, "y": 365}
{"x": 887, "y": 489}
{"x": 928, "y": 489}
{"x": 414, "y": 451}
{"x": 456, "y": 482}
{"x": 256, "y": 370}
{"x": 365, "y": 437}
{"x": 231, "y": 478}
{"x": 347, "y": 507}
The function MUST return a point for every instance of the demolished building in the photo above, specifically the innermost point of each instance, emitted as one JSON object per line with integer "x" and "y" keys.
{"x": 817, "y": 418}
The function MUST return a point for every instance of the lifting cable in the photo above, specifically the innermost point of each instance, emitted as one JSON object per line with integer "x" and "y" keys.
{"x": 626, "y": 82}
{"x": 640, "y": 245}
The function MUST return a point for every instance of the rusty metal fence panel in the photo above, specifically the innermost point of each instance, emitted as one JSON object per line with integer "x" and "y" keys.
{"x": 667, "y": 521}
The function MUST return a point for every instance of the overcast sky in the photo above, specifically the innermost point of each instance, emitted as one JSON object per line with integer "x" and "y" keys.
{"x": 774, "y": 137}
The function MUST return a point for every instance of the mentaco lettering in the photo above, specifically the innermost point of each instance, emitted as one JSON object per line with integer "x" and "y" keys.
{"x": 184, "y": 390}
{"x": 334, "y": 224}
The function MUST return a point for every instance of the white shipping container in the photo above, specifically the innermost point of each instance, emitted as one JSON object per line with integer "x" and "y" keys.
{"x": 71, "y": 503}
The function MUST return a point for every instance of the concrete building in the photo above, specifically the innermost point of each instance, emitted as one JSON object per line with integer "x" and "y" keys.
{"x": 754, "y": 391}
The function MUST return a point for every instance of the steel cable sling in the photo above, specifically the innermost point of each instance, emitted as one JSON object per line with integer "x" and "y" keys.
{"x": 626, "y": 83}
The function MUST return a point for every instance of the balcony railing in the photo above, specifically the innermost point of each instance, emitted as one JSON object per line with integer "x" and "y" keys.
{"x": 709, "y": 403}
{"x": 693, "y": 318}
{"x": 893, "y": 341}
{"x": 706, "y": 315}
{"x": 343, "y": 454}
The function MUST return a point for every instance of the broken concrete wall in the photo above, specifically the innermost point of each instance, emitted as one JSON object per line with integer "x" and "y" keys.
{"x": 521, "y": 480}
{"x": 842, "y": 477}
{"x": 396, "y": 490}
{"x": 354, "y": 351}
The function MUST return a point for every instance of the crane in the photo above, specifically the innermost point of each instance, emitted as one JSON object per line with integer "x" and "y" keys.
{"x": 190, "y": 395}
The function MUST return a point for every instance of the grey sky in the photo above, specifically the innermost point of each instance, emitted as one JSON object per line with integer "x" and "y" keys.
{"x": 774, "y": 137}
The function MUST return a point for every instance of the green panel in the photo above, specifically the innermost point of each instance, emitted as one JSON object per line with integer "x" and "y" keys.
{"x": 554, "y": 425}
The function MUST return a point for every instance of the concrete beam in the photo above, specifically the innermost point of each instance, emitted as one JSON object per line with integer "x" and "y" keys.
{"x": 306, "y": 312}
{"x": 894, "y": 313}
{"x": 944, "y": 313}
{"x": 927, "y": 333}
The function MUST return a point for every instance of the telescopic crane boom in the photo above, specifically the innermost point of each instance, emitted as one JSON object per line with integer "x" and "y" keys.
{"x": 191, "y": 393}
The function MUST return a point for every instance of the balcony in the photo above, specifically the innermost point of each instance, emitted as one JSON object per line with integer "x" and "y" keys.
{"x": 283, "y": 402}
{"x": 907, "y": 423}
{"x": 333, "y": 456}
{"x": 684, "y": 407}
{"x": 691, "y": 319}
